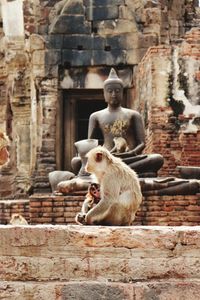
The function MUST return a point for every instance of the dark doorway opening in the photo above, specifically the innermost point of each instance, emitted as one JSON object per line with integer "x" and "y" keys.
{"x": 77, "y": 105}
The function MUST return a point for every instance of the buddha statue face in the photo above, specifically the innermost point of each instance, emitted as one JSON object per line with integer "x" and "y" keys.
{"x": 113, "y": 94}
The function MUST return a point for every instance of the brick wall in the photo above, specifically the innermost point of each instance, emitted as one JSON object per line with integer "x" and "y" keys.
{"x": 155, "y": 210}
{"x": 167, "y": 136}
{"x": 9, "y": 207}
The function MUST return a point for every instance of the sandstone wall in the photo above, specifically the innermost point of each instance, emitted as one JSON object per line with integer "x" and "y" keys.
{"x": 73, "y": 262}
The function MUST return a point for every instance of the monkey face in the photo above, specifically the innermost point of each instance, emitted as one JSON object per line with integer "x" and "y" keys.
{"x": 98, "y": 160}
{"x": 94, "y": 190}
{"x": 96, "y": 163}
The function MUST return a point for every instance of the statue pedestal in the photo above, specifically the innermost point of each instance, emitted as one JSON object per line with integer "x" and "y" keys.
{"x": 83, "y": 147}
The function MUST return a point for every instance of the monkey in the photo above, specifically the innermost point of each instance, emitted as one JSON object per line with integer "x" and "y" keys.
{"x": 120, "y": 145}
{"x": 92, "y": 197}
{"x": 119, "y": 188}
{"x": 17, "y": 219}
{"x": 4, "y": 154}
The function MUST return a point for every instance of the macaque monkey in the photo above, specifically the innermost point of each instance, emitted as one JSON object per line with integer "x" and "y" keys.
{"x": 120, "y": 145}
{"x": 4, "y": 154}
{"x": 119, "y": 188}
{"x": 17, "y": 219}
{"x": 92, "y": 197}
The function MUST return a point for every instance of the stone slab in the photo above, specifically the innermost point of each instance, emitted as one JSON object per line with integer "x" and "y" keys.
{"x": 46, "y": 253}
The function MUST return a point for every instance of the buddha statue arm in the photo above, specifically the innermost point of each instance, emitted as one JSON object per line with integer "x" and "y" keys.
{"x": 93, "y": 124}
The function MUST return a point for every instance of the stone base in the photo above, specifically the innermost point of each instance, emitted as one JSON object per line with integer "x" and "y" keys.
{"x": 86, "y": 262}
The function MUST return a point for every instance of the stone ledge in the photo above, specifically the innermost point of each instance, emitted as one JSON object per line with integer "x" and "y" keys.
{"x": 47, "y": 253}
{"x": 159, "y": 290}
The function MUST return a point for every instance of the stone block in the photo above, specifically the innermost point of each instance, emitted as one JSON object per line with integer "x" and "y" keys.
{"x": 65, "y": 25}
{"x": 76, "y": 58}
{"x": 114, "y": 27}
{"x": 113, "y": 57}
{"x": 123, "y": 41}
{"x": 36, "y": 42}
{"x": 52, "y": 57}
{"x": 103, "y": 2}
{"x": 96, "y": 290}
{"x": 147, "y": 40}
{"x": 134, "y": 56}
{"x": 126, "y": 13}
{"x": 54, "y": 41}
{"x": 102, "y": 13}
{"x": 140, "y": 254}
{"x": 83, "y": 42}
{"x": 73, "y": 7}
{"x": 38, "y": 57}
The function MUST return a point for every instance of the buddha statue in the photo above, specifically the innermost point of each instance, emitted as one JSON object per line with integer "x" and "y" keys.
{"x": 123, "y": 125}
{"x": 116, "y": 122}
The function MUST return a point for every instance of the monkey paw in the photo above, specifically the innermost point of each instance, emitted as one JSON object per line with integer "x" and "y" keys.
{"x": 80, "y": 219}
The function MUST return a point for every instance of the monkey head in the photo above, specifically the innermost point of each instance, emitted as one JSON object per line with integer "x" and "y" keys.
{"x": 98, "y": 160}
{"x": 94, "y": 191}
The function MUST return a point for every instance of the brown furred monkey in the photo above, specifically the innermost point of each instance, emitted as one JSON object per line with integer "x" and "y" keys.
{"x": 119, "y": 187}
{"x": 92, "y": 197}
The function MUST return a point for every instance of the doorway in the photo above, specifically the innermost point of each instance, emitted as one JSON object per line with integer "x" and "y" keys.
{"x": 78, "y": 105}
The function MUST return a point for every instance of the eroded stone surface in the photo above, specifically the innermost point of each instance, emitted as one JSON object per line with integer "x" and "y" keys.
{"x": 79, "y": 262}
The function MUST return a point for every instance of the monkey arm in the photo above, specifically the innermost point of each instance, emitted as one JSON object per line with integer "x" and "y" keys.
{"x": 87, "y": 204}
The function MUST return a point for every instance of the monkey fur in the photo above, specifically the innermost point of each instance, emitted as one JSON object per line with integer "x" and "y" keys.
{"x": 17, "y": 219}
{"x": 120, "y": 145}
{"x": 119, "y": 188}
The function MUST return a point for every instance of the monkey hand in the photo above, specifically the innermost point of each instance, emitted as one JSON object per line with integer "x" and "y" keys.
{"x": 80, "y": 219}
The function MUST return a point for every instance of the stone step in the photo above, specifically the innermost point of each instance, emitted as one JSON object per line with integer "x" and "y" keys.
{"x": 96, "y": 262}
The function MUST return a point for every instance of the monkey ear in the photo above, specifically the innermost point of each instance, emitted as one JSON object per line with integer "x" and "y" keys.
{"x": 98, "y": 157}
